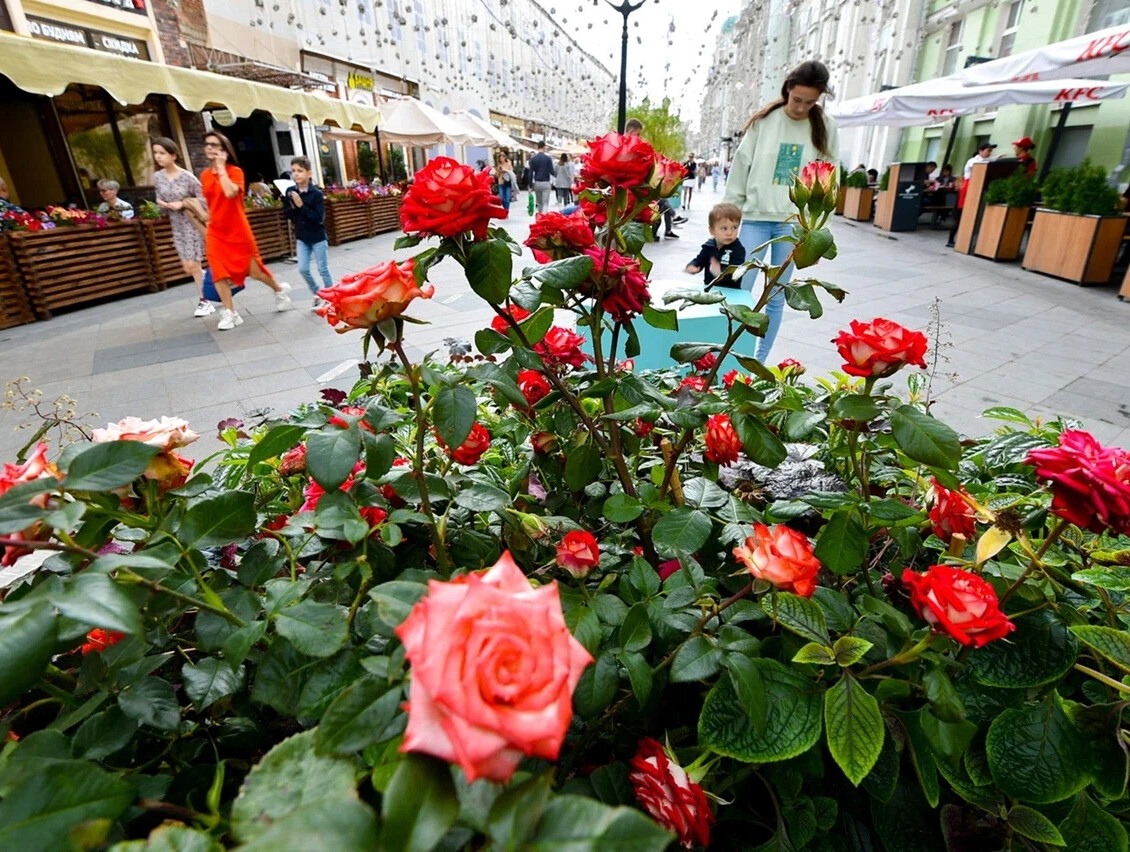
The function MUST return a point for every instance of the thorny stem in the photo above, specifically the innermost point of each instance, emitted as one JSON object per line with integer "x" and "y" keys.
{"x": 442, "y": 559}
{"x": 1034, "y": 559}
{"x": 154, "y": 586}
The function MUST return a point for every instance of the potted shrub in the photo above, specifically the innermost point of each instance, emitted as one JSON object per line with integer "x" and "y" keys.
{"x": 1007, "y": 204}
{"x": 859, "y": 199}
{"x": 1077, "y": 232}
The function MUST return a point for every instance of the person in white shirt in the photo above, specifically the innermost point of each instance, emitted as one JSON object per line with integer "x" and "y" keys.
{"x": 984, "y": 154}
{"x": 108, "y": 189}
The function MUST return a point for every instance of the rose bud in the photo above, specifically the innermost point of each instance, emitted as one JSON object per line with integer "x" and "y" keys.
{"x": 578, "y": 553}
{"x": 543, "y": 443}
{"x": 949, "y": 513}
{"x": 723, "y": 446}
{"x": 670, "y": 796}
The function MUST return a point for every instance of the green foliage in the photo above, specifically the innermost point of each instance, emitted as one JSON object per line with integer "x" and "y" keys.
{"x": 663, "y": 128}
{"x": 1083, "y": 189}
{"x": 885, "y": 179}
{"x": 856, "y": 180}
{"x": 1017, "y": 190}
{"x": 367, "y": 162}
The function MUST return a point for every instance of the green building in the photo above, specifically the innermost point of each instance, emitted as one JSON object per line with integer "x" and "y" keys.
{"x": 957, "y": 33}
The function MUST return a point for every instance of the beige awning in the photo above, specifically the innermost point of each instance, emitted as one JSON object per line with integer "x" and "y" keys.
{"x": 47, "y": 68}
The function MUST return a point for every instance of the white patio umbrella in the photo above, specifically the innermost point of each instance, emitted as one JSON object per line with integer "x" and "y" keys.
{"x": 497, "y": 137}
{"x": 1094, "y": 54}
{"x": 412, "y": 122}
{"x": 476, "y": 135}
{"x": 947, "y": 97}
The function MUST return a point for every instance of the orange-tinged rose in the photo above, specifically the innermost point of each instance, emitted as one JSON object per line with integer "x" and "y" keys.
{"x": 782, "y": 556}
{"x": 11, "y": 475}
{"x": 958, "y": 603}
{"x": 493, "y": 671}
{"x": 578, "y": 553}
{"x": 371, "y": 296}
{"x": 168, "y": 433}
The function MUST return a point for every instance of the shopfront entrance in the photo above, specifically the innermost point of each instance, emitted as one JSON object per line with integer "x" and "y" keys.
{"x": 260, "y": 146}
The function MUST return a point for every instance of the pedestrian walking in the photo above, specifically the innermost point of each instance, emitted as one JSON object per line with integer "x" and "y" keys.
{"x": 703, "y": 172}
{"x": 779, "y": 139}
{"x": 305, "y": 206}
{"x": 229, "y": 244}
{"x": 507, "y": 181}
{"x": 172, "y": 186}
{"x": 542, "y": 172}
{"x": 563, "y": 180}
{"x": 715, "y": 173}
{"x": 691, "y": 165}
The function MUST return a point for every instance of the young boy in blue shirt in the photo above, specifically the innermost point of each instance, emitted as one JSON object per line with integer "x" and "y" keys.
{"x": 306, "y": 208}
{"x": 723, "y": 249}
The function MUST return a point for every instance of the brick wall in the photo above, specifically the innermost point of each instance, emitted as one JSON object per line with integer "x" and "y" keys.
{"x": 192, "y": 123}
{"x": 179, "y": 23}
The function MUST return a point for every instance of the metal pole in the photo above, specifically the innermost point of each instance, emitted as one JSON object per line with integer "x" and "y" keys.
{"x": 1056, "y": 135}
{"x": 949, "y": 147}
{"x": 622, "y": 114}
{"x": 380, "y": 159}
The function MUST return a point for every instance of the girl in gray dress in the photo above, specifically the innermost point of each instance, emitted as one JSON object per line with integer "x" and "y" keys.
{"x": 174, "y": 184}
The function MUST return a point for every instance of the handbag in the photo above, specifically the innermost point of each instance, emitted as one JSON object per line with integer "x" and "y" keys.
{"x": 197, "y": 211}
{"x": 208, "y": 288}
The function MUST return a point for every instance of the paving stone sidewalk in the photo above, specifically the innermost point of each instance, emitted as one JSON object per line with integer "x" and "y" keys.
{"x": 1008, "y": 337}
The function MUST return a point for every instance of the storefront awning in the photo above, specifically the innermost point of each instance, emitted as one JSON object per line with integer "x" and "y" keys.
{"x": 47, "y": 68}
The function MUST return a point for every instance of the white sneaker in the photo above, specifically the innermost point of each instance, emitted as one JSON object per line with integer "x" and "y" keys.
{"x": 282, "y": 300}
{"x": 203, "y": 308}
{"x": 317, "y": 303}
{"x": 228, "y": 320}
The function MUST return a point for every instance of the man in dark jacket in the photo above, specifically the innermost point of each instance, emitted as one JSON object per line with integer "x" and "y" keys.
{"x": 542, "y": 172}
{"x": 306, "y": 208}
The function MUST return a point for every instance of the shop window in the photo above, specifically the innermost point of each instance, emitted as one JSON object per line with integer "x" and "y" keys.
{"x": 1108, "y": 13}
{"x": 953, "y": 49}
{"x": 932, "y": 148}
{"x": 421, "y": 35}
{"x": 108, "y": 140}
{"x": 1011, "y": 26}
{"x": 1072, "y": 148}
{"x": 285, "y": 142}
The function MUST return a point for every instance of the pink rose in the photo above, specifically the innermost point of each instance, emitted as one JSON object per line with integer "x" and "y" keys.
{"x": 168, "y": 433}
{"x": 1090, "y": 482}
{"x": 493, "y": 671}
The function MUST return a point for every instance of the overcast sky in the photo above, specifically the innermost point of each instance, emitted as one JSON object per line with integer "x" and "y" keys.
{"x": 654, "y": 68}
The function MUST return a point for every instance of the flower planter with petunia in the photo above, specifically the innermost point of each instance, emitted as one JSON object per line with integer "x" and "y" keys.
{"x": 272, "y": 232}
{"x": 347, "y": 219}
{"x": 474, "y": 601}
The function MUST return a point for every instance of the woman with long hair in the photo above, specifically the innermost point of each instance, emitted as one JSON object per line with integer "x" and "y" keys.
{"x": 779, "y": 140}
{"x": 563, "y": 180}
{"x": 172, "y": 185}
{"x": 229, "y": 244}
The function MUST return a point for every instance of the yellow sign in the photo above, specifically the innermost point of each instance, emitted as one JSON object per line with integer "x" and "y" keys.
{"x": 359, "y": 81}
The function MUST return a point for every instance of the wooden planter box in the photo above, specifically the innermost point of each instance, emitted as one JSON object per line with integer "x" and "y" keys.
{"x": 885, "y": 208}
{"x": 272, "y": 232}
{"x": 15, "y": 308}
{"x": 69, "y": 266}
{"x": 347, "y": 219}
{"x": 858, "y": 203}
{"x": 162, "y": 253}
{"x": 841, "y": 198}
{"x": 1124, "y": 292}
{"x": 1079, "y": 248}
{"x": 384, "y": 213}
{"x": 1001, "y": 232}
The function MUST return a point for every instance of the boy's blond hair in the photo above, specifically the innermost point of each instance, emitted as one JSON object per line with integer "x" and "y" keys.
{"x": 724, "y": 212}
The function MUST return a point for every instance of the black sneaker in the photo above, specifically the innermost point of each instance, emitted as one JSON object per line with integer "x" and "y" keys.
{"x": 670, "y": 235}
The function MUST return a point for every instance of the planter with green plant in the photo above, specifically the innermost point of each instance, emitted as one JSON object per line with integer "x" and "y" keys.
{"x": 841, "y": 191}
{"x": 1008, "y": 203}
{"x": 859, "y": 198}
{"x": 1077, "y": 232}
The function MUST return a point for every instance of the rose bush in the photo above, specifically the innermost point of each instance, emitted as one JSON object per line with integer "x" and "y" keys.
{"x": 467, "y": 612}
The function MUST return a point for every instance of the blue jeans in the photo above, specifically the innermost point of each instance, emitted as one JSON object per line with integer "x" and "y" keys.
{"x": 320, "y": 251}
{"x": 752, "y": 235}
{"x": 504, "y": 194}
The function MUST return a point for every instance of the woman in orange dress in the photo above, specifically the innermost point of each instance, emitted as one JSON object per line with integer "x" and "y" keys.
{"x": 230, "y": 244}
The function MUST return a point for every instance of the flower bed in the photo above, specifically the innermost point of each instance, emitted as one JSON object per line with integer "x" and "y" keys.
{"x": 544, "y": 601}
{"x": 68, "y": 266}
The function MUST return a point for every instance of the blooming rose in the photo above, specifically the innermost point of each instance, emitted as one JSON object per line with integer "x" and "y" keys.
{"x": 516, "y": 312}
{"x": 669, "y": 795}
{"x": 706, "y": 363}
{"x": 447, "y": 199}
{"x": 667, "y": 175}
{"x": 372, "y": 295}
{"x": 723, "y": 446}
{"x": 533, "y": 385}
{"x": 555, "y": 235}
{"x": 314, "y": 492}
{"x": 878, "y": 348}
{"x": 1090, "y": 482}
{"x": 578, "y": 553}
{"x": 294, "y": 461}
{"x": 469, "y": 452}
{"x": 782, "y": 556}
{"x": 617, "y": 160}
{"x": 666, "y": 569}
{"x": 695, "y": 383}
{"x": 733, "y": 376}
{"x": 493, "y": 671}
{"x": 561, "y": 348}
{"x": 620, "y": 280}
{"x": 168, "y": 433}
{"x": 11, "y": 475}
{"x": 949, "y": 513}
{"x": 958, "y": 603}
{"x": 98, "y": 640}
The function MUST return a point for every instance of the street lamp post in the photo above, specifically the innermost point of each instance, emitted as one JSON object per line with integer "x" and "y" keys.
{"x": 625, "y": 8}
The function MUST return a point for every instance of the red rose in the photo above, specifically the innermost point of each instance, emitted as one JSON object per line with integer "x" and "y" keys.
{"x": 293, "y": 461}
{"x": 11, "y": 475}
{"x": 352, "y": 411}
{"x": 733, "y": 376}
{"x": 782, "y": 556}
{"x": 98, "y": 640}
{"x": 617, "y": 160}
{"x": 667, "y": 175}
{"x": 1090, "y": 482}
{"x": 669, "y": 795}
{"x": 561, "y": 348}
{"x": 597, "y": 211}
{"x": 534, "y": 386}
{"x": 314, "y": 492}
{"x": 555, "y": 235}
{"x": 878, "y": 348}
{"x": 620, "y": 280}
{"x": 516, "y": 312}
{"x": 723, "y": 446}
{"x": 543, "y": 442}
{"x": 371, "y": 296}
{"x": 389, "y": 493}
{"x": 791, "y": 365}
{"x": 949, "y": 513}
{"x": 494, "y": 667}
{"x": 666, "y": 569}
{"x": 958, "y": 603}
{"x": 578, "y": 553}
{"x": 643, "y": 428}
{"x": 627, "y": 365}
{"x": 469, "y": 452}
{"x": 706, "y": 363}
{"x": 695, "y": 383}
{"x": 447, "y": 199}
